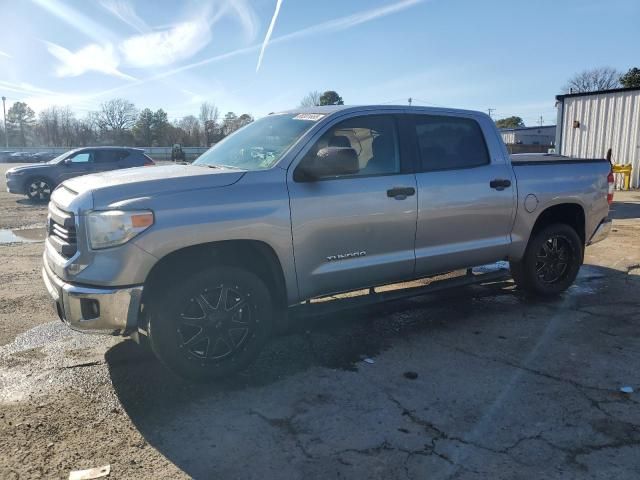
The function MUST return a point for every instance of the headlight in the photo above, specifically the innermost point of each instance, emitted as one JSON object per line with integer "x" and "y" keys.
{"x": 115, "y": 227}
{"x": 18, "y": 172}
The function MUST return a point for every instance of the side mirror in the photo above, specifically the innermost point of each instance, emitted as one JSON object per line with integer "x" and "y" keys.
{"x": 329, "y": 162}
{"x": 67, "y": 161}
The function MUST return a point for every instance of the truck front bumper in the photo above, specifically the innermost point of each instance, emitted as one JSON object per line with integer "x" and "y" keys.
{"x": 95, "y": 310}
{"x": 601, "y": 232}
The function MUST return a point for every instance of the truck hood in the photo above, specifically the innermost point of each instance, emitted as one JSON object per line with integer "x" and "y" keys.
{"x": 121, "y": 185}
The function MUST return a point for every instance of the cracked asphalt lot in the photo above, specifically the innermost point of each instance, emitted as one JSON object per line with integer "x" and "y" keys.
{"x": 507, "y": 387}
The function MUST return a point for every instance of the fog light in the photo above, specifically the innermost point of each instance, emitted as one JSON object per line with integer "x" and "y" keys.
{"x": 90, "y": 308}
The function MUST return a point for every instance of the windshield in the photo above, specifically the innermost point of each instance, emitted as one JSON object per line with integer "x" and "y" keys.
{"x": 260, "y": 144}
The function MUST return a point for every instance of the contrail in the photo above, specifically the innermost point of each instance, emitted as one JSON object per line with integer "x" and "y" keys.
{"x": 269, "y": 32}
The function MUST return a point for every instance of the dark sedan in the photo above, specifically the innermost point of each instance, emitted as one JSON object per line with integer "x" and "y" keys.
{"x": 38, "y": 181}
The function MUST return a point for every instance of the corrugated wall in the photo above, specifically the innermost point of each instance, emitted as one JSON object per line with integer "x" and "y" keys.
{"x": 508, "y": 137}
{"x": 607, "y": 121}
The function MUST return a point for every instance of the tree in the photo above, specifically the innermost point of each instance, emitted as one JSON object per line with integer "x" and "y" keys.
{"x": 142, "y": 130}
{"x": 244, "y": 119}
{"x": 67, "y": 127}
{"x": 159, "y": 126}
{"x": 603, "y": 78}
{"x": 190, "y": 127}
{"x": 85, "y": 132}
{"x": 209, "y": 116}
{"x": 510, "y": 122}
{"x": 48, "y": 127}
{"x": 331, "y": 98}
{"x": 229, "y": 123}
{"x": 20, "y": 123}
{"x": 116, "y": 117}
{"x": 311, "y": 99}
{"x": 631, "y": 78}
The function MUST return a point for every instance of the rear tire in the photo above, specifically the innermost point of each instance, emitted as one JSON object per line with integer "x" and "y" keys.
{"x": 212, "y": 325}
{"x": 551, "y": 261}
{"x": 39, "y": 189}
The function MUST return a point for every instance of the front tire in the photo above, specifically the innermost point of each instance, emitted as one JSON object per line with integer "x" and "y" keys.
{"x": 551, "y": 261}
{"x": 39, "y": 189}
{"x": 212, "y": 325}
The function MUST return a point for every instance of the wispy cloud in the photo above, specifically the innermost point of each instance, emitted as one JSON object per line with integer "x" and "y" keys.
{"x": 93, "y": 57}
{"x": 335, "y": 25}
{"x": 77, "y": 20}
{"x": 150, "y": 47}
{"x": 243, "y": 12}
{"x": 39, "y": 98}
{"x": 269, "y": 32}
{"x": 5, "y": 54}
{"x": 124, "y": 11}
{"x": 157, "y": 49}
{"x": 350, "y": 21}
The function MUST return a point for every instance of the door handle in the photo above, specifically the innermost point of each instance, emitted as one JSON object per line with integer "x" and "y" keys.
{"x": 500, "y": 183}
{"x": 400, "y": 193}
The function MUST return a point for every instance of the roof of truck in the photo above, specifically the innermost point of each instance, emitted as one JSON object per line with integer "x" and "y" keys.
{"x": 330, "y": 109}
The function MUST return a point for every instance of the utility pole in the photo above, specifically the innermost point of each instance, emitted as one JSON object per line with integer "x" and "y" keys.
{"x": 410, "y": 99}
{"x": 541, "y": 121}
{"x": 4, "y": 114}
{"x": 491, "y": 110}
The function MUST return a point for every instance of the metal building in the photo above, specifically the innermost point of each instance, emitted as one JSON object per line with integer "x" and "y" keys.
{"x": 529, "y": 135}
{"x": 589, "y": 124}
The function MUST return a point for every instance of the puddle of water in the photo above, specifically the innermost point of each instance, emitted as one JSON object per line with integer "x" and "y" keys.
{"x": 25, "y": 235}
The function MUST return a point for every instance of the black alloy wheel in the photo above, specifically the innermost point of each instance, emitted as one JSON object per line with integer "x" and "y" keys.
{"x": 216, "y": 323}
{"x": 39, "y": 190}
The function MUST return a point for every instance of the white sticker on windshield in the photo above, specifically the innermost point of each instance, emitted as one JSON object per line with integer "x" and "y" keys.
{"x": 314, "y": 117}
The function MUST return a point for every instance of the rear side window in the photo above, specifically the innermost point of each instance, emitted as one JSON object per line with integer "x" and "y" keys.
{"x": 446, "y": 143}
{"x": 111, "y": 156}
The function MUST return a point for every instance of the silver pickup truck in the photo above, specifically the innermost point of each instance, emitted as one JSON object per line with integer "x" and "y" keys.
{"x": 204, "y": 259}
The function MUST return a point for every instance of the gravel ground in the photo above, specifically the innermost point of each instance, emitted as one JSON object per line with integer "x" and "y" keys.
{"x": 506, "y": 387}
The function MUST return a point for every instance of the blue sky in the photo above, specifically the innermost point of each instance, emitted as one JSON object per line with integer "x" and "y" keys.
{"x": 512, "y": 56}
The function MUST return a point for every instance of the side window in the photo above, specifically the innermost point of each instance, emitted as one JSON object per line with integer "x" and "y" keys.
{"x": 449, "y": 143}
{"x": 110, "y": 156}
{"x": 83, "y": 157}
{"x": 371, "y": 140}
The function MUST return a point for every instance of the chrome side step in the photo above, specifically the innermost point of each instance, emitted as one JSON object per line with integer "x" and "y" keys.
{"x": 326, "y": 306}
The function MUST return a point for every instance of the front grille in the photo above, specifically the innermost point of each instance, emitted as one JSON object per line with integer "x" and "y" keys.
{"x": 62, "y": 231}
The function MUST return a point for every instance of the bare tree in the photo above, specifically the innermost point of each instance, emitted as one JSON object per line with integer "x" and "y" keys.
{"x": 311, "y": 99}
{"x": 209, "y": 116}
{"x": 86, "y": 132}
{"x": 67, "y": 127}
{"x": 603, "y": 78}
{"x": 116, "y": 117}
{"x": 191, "y": 127}
{"x": 48, "y": 128}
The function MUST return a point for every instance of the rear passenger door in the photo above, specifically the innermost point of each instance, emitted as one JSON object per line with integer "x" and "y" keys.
{"x": 106, "y": 160}
{"x": 466, "y": 196}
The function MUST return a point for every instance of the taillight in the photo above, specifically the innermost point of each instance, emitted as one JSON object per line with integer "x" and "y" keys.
{"x": 148, "y": 162}
{"x": 611, "y": 182}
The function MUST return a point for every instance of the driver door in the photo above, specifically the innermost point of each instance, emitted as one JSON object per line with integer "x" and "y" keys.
{"x": 358, "y": 229}
{"x": 80, "y": 163}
